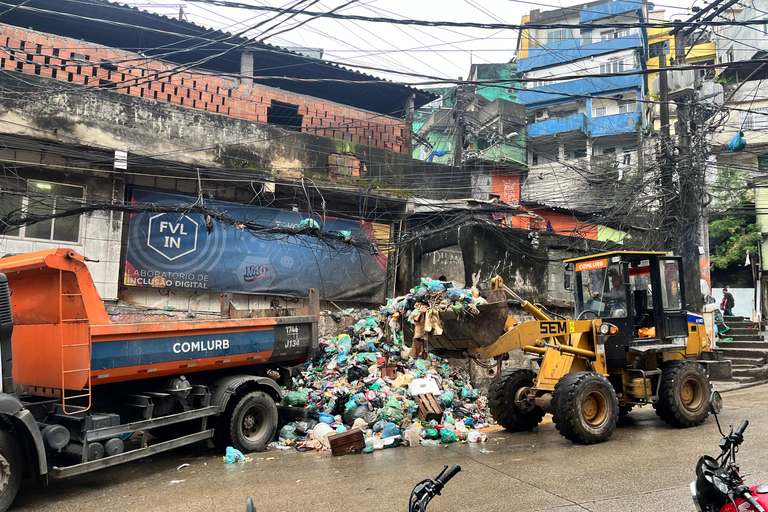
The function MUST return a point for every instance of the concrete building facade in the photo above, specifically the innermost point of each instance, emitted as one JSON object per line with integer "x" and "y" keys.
{"x": 578, "y": 117}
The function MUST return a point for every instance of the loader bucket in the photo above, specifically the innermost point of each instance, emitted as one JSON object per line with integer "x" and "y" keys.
{"x": 462, "y": 331}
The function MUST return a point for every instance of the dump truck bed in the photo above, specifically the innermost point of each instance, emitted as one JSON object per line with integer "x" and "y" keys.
{"x": 72, "y": 344}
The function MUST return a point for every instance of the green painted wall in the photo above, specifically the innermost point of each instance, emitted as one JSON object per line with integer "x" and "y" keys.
{"x": 497, "y": 72}
{"x": 512, "y": 151}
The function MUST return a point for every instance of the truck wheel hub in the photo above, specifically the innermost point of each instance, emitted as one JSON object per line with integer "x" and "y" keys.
{"x": 5, "y": 473}
{"x": 253, "y": 423}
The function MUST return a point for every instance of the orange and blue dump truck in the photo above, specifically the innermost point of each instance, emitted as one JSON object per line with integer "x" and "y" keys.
{"x": 98, "y": 393}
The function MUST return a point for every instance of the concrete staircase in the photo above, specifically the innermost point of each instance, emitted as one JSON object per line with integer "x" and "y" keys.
{"x": 748, "y": 351}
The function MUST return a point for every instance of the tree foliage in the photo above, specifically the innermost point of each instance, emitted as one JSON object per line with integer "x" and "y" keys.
{"x": 730, "y": 238}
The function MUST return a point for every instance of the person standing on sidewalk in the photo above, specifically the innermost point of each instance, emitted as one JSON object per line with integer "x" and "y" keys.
{"x": 727, "y": 303}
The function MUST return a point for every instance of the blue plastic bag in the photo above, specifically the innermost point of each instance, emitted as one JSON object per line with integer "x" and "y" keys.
{"x": 390, "y": 430}
{"x": 326, "y": 418}
{"x": 233, "y": 455}
{"x": 342, "y": 359}
{"x": 738, "y": 142}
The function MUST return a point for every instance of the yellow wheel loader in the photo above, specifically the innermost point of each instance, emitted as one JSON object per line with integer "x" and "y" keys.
{"x": 632, "y": 343}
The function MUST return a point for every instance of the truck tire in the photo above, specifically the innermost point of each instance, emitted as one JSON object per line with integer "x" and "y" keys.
{"x": 10, "y": 469}
{"x": 501, "y": 399}
{"x": 253, "y": 422}
{"x": 584, "y": 407}
{"x": 683, "y": 394}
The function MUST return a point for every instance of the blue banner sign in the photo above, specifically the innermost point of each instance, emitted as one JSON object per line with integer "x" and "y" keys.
{"x": 174, "y": 250}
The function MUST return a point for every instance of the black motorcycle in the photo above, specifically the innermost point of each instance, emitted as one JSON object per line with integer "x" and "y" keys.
{"x": 718, "y": 486}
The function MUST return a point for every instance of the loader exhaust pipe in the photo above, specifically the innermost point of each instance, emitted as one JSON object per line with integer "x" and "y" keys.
{"x": 6, "y": 329}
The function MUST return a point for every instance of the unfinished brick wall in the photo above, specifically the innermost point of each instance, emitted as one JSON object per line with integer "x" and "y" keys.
{"x": 91, "y": 65}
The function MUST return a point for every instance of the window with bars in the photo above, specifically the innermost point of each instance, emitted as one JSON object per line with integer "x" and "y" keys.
{"x": 757, "y": 119}
{"x": 46, "y": 198}
{"x": 627, "y": 106}
{"x": 601, "y": 111}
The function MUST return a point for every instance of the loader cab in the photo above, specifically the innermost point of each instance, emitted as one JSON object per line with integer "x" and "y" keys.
{"x": 641, "y": 293}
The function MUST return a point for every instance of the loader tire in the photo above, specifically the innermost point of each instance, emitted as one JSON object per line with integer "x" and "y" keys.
{"x": 683, "y": 394}
{"x": 253, "y": 422}
{"x": 501, "y": 399}
{"x": 584, "y": 407}
{"x": 10, "y": 469}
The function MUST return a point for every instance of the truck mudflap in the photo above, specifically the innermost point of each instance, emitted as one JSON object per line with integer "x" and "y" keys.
{"x": 26, "y": 418}
{"x": 23, "y": 420}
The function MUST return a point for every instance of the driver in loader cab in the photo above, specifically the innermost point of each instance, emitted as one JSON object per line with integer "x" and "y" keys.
{"x": 618, "y": 294}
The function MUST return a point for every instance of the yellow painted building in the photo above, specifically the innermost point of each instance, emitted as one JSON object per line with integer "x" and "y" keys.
{"x": 661, "y": 42}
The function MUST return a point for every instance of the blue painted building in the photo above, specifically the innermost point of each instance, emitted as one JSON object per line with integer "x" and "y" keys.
{"x": 580, "y": 121}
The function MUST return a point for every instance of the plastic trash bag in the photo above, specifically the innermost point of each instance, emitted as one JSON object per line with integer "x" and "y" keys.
{"x": 394, "y": 414}
{"x": 356, "y": 372}
{"x": 295, "y": 398}
{"x": 344, "y": 343}
{"x": 447, "y": 398}
{"x": 326, "y": 418}
{"x": 355, "y": 413}
{"x": 738, "y": 142}
{"x": 288, "y": 432}
{"x": 447, "y": 436}
{"x": 390, "y": 430}
{"x": 233, "y": 455}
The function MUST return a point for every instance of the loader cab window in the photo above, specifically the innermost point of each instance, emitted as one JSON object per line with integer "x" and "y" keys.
{"x": 642, "y": 293}
{"x": 671, "y": 297}
{"x": 600, "y": 292}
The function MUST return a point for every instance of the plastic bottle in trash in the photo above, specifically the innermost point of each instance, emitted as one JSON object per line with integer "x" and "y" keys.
{"x": 412, "y": 437}
{"x": 473, "y": 436}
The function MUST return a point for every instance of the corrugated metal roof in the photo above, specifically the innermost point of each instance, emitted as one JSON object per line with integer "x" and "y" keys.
{"x": 120, "y": 26}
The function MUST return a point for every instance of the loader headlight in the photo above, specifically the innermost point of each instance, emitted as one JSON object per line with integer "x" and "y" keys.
{"x": 606, "y": 328}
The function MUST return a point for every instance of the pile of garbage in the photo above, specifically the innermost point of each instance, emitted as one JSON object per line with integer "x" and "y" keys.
{"x": 422, "y": 307}
{"x": 360, "y": 379}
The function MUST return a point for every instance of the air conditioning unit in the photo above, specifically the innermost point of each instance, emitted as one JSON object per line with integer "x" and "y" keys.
{"x": 542, "y": 115}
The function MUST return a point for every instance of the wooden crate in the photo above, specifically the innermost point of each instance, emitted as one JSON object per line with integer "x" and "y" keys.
{"x": 389, "y": 370}
{"x": 347, "y": 442}
{"x": 429, "y": 408}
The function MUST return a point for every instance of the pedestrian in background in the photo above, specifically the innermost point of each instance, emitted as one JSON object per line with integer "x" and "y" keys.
{"x": 727, "y": 303}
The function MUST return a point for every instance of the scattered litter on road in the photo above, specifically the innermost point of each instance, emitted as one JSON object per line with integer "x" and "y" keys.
{"x": 172, "y": 482}
{"x": 483, "y": 450}
{"x": 365, "y": 379}
{"x": 234, "y": 455}
{"x": 182, "y": 467}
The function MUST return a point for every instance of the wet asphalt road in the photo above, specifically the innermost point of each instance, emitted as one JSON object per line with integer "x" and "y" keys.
{"x": 646, "y": 466}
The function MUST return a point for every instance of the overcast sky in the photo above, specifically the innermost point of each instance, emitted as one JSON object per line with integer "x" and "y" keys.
{"x": 433, "y": 51}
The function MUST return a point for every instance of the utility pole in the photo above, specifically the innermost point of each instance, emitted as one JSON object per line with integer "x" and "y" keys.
{"x": 689, "y": 243}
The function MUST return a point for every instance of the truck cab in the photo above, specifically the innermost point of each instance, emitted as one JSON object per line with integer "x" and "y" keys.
{"x": 641, "y": 293}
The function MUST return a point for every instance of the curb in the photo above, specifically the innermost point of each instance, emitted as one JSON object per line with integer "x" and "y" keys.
{"x": 736, "y": 387}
